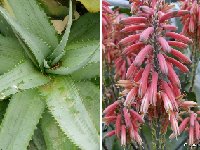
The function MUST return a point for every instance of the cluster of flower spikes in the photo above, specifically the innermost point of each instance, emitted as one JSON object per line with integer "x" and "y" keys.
{"x": 152, "y": 86}
{"x": 191, "y": 22}
{"x": 111, "y": 28}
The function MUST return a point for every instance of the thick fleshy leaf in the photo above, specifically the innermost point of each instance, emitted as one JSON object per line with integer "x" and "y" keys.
{"x": 77, "y": 56}
{"x": 87, "y": 27}
{"x": 39, "y": 49}
{"x": 37, "y": 24}
{"x": 24, "y": 76}
{"x": 37, "y": 141}
{"x": 59, "y": 52}
{"x": 17, "y": 128}
{"x": 66, "y": 106}
{"x": 90, "y": 95}
{"x": 91, "y": 5}
{"x": 55, "y": 139}
{"x": 11, "y": 53}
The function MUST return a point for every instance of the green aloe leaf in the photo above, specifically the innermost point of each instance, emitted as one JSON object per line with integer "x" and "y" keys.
{"x": 90, "y": 95}
{"x": 39, "y": 49}
{"x": 24, "y": 76}
{"x": 17, "y": 128}
{"x": 11, "y": 53}
{"x": 66, "y": 106}
{"x": 55, "y": 139}
{"x": 76, "y": 57}
{"x": 87, "y": 27}
{"x": 31, "y": 16}
{"x": 60, "y": 49}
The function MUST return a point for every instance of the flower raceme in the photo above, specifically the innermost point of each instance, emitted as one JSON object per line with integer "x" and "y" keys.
{"x": 152, "y": 49}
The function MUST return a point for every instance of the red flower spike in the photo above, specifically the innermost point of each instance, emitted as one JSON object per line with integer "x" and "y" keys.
{"x": 179, "y": 37}
{"x": 133, "y": 20}
{"x": 153, "y": 89}
{"x": 142, "y": 54}
{"x": 143, "y": 82}
{"x": 182, "y": 67}
{"x": 133, "y": 28}
{"x": 177, "y": 44}
{"x": 131, "y": 38}
{"x": 164, "y": 44}
{"x": 146, "y": 33}
{"x": 181, "y": 56}
{"x": 163, "y": 64}
{"x": 123, "y": 135}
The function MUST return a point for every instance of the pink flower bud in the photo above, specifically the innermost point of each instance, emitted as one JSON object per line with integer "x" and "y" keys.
{"x": 147, "y": 10}
{"x": 191, "y": 25}
{"x": 111, "y": 107}
{"x": 133, "y": 28}
{"x": 133, "y": 48}
{"x": 118, "y": 125}
{"x": 133, "y": 20}
{"x": 197, "y": 128}
{"x": 181, "y": 56}
{"x": 178, "y": 44}
{"x": 145, "y": 103}
{"x": 153, "y": 89}
{"x": 169, "y": 27}
{"x": 130, "y": 38}
{"x": 182, "y": 67}
{"x": 184, "y": 124}
{"x": 192, "y": 119}
{"x": 109, "y": 119}
{"x": 173, "y": 14}
{"x": 138, "y": 75}
{"x": 174, "y": 124}
{"x": 146, "y": 33}
{"x": 179, "y": 37}
{"x": 131, "y": 71}
{"x": 191, "y": 135}
{"x": 110, "y": 133}
{"x": 164, "y": 44}
{"x": 163, "y": 64}
{"x": 135, "y": 115}
{"x": 173, "y": 76}
{"x": 127, "y": 117}
{"x": 142, "y": 54}
{"x": 143, "y": 82}
{"x": 131, "y": 96}
{"x": 167, "y": 103}
{"x": 123, "y": 135}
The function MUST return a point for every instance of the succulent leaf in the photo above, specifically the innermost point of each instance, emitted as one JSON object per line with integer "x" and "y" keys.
{"x": 16, "y": 131}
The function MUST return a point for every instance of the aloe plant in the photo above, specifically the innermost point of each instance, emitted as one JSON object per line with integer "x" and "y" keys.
{"x": 48, "y": 96}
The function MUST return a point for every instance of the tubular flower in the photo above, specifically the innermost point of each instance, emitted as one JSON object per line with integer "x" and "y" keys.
{"x": 127, "y": 122}
{"x": 191, "y": 22}
{"x": 191, "y": 125}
